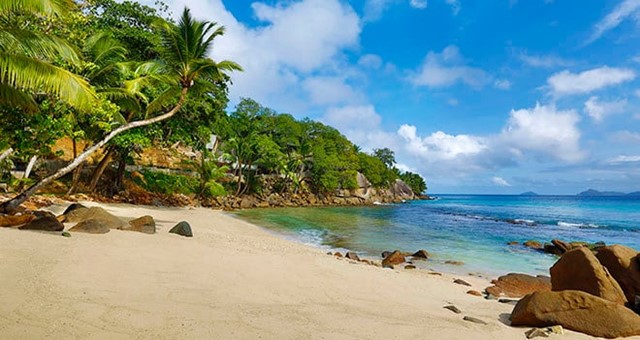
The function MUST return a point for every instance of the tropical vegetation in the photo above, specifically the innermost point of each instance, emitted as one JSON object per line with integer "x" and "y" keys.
{"x": 112, "y": 77}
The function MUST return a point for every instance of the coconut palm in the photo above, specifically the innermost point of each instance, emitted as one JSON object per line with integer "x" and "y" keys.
{"x": 185, "y": 49}
{"x": 26, "y": 55}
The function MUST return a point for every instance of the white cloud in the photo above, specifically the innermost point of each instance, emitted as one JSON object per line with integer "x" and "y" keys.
{"x": 567, "y": 83}
{"x": 419, "y": 4}
{"x": 625, "y": 159}
{"x": 598, "y": 110}
{"x": 544, "y": 131}
{"x": 544, "y": 61}
{"x": 275, "y": 57}
{"x": 446, "y": 69}
{"x": 624, "y": 10}
{"x": 502, "y": 84}
{"x": 330, "y": 91}
{"x": 499, "y": 181}
{"x": 440, "y": 145}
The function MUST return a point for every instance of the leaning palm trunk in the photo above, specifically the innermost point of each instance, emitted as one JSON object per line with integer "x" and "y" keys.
{"x": 102, "y": 166}
{"x": 6, "y": 154}
{"x": 23, "y": 196}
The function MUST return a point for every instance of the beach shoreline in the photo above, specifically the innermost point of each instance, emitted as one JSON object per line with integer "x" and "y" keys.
{"x": 233, "y": 279}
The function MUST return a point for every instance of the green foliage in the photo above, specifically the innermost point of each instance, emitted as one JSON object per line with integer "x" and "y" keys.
{"x": 375, "y": 170}
{"x": 415, "y": 181}
{"x": 168, "y": 184}
{"x": 386, "y": 155}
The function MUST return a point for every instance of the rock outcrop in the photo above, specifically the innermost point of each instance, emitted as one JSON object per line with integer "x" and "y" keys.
{"x": 15, "y": 220}
{"x": 518, "y": 285}
{"x": 578, "y": 311}
{"x": 94, "y": 213}
{"x": 580, "y": 270}
{"x": 624, "y": 266}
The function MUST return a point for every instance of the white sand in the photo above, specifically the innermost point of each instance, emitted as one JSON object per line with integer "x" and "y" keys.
{"x": 232, "y": 280}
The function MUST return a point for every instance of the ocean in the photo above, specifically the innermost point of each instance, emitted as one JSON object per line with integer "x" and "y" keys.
{"x": 474, "y": 229}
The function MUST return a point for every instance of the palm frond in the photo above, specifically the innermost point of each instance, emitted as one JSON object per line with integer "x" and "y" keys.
{"x": 36, "y": 44}
{"x": 13, "y": 97}
{"x": 34, "y": 75}
{"x": 49, "y": 7}
{"x": 165, "y": 99}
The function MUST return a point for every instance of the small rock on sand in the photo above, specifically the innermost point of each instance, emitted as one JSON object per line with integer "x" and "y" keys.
{"x": 474, "y": 320}
{"x": 474, "y": 293}
{"x": 352, "y": 256}
{"x": 409, "y": 266}
{"x": 462, "y": 282}
{"x": 453, "y": 309}
{"x": 183, "y": 229}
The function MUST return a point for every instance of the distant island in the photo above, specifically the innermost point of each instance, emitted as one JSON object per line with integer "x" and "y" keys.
{"x": 595, "y": 193}
{"x": 529, "y": 193}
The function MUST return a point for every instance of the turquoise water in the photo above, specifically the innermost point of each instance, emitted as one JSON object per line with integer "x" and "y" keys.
{"x": 474, "y": 229}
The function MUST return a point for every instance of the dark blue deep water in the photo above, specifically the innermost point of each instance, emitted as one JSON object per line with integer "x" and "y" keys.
{"x": 474, "y": 229}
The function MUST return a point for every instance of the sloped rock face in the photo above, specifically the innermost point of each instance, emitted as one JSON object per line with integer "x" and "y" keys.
{"x": 580, "y": 270}
{"x": 402, "y": 190}
{"x": 14, "y": 221}
{"x": 578, "y": 311}
{"x": 94, "y": 213}
{"x": 518, "y": 285}
{"x": 623, "y": 265}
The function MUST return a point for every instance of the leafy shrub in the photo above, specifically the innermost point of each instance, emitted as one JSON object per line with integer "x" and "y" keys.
{"x": 168, "y": 183}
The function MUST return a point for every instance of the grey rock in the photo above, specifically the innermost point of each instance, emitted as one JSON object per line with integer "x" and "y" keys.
{"x": 183, "y": 229}
{"x": 462, "y": 282}
{"x": 45, "y": 223}
{"x": 91, "y": 226}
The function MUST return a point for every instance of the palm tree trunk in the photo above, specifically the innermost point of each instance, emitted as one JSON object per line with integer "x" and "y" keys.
{"x": 102, "y": 166}
{"x": 6, "y": 154}
{"x": 23, "y": 196}
{"x": 32, "y": 162}
{"x": 76, "y": 173}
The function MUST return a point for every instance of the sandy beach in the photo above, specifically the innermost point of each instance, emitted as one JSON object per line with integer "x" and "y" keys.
{"x": 231, "y": 280}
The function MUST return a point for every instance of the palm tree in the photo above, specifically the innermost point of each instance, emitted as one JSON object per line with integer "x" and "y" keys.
{"x": 25, "y": 56}
{"x": 185, "y": 47}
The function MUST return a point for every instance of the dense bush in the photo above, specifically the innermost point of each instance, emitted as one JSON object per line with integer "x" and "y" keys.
{"x": 169, "y": 184}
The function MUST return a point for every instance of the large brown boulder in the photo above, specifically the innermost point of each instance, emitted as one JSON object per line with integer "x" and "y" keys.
{"x": 579, "y": 269}
{"x": 95, "y": 213}
{"x": 577, "y": 311}
{"x": 394, "y": 258}
{"x": 91, "y": 226}
{"x": 622, "y": 264}
{"x": 44, "y": 223}
{"x": 518, "y": 285}
{"x": 144, "y": 224}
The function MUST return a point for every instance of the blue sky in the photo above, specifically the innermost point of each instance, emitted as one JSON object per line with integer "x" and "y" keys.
{"x": 477, "y": 96}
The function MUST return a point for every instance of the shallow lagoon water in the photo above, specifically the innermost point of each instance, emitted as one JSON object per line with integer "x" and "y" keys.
{"x": 474, "y": 229}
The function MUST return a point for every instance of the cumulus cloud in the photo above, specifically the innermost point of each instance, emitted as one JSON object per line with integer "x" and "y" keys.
{"x": 626, "y": 9}
{"x": 353, "y": 117}
{"x": 440, "y": 145}
{"x": 598, "y": 110}
{"x": 544, "y": 131}
{"x": 568, "y": 83}
{"x": 499, "y": 181}
{"x": 373, "y": 9}
{"x": 446, "y": 69}
{"x": 420, "y": 4}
